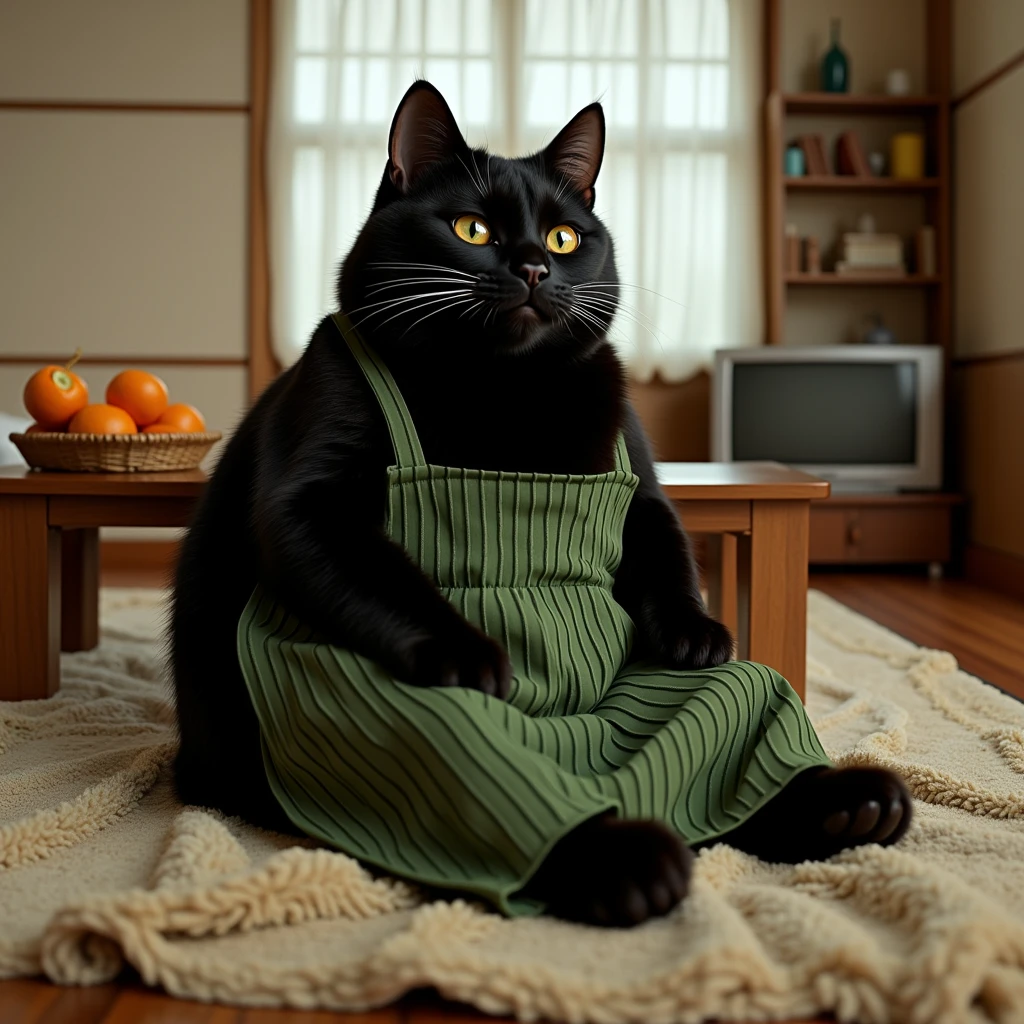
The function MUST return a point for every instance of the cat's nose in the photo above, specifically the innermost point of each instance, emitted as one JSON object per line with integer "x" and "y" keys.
{"x": 531, "y": 273}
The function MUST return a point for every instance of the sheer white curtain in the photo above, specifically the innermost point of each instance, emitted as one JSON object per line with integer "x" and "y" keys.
{"x": 678, "y": 189}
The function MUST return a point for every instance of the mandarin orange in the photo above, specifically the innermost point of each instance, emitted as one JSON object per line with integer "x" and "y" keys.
{"x": 177, "y": 419}
{"x": 54, "y": 394}
{"x": 102, "y": 419}
{"x": 142, "y": 395}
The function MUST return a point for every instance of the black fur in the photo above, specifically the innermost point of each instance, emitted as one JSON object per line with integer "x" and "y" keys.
{"x": 297, "y": 499}
{"x": 508, "y": 372}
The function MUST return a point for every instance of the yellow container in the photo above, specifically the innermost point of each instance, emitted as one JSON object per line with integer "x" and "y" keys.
{"x": 906, "y": 155}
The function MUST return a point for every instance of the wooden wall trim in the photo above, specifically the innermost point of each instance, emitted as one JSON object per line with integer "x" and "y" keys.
{"x": 1016, "y": 61}
{"x": 126, "y": 107}
{"x": 997, "y": 570}
{"x": 133, "y": 359}
{"x": 989, "y": 357}
{"x": 263, "y": 364}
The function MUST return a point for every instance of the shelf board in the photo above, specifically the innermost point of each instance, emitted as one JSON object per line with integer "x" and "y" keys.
{"x": 862, "y": 280}
{"x": 849, "y": 183}
{"x": 850, "y": 103}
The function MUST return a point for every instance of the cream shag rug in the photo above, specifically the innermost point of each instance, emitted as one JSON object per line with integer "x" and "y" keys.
{"x": 99, "y": 865}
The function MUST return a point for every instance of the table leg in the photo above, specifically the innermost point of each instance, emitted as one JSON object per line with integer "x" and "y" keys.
{"x": 720, "y": 574}
{"x": 773, "y": 588}
{"x": 79, "y": 589}
{"x": 29, "y": 599}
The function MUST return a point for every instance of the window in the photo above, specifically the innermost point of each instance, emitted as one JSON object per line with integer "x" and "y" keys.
{"x": 678, "y": 188}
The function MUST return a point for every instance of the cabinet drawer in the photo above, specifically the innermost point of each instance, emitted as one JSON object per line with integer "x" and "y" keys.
{"x": 900, "y": 534}
{"x": 880, "y": 534}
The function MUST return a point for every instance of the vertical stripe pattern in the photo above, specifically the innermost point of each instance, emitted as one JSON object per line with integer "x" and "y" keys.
{"x": 456, "y": 789}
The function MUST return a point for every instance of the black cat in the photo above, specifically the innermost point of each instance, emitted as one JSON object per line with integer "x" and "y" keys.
{"x": 501, "y": 355}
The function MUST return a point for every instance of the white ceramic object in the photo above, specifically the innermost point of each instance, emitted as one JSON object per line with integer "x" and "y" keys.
{"x": 897, "y": 82}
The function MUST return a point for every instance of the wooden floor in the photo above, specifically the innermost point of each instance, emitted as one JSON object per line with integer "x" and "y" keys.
{"x": 983, "y": 630}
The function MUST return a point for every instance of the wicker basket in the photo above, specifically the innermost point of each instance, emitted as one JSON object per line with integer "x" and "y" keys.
{"x": 115, "y": 453}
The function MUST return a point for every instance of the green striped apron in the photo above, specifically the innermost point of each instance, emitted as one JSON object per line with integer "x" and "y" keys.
{"x": 456, "y": 789}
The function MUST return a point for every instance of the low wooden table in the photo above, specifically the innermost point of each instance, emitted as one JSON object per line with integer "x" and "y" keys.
{"x": 756, "y": 513}
{"x": 757, "y": 518}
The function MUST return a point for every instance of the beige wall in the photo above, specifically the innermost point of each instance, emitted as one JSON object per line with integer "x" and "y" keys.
{"x": 989, "y": 217}
{"x": 989, "y": 271}
{"x": 124, "y": 231}
{"x": 986, "y": 33}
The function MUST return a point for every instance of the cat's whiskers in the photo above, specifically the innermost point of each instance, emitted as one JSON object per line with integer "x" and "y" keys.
{"x": 393, "y": 302}
{"x": 399, "y": 282}
{"x": 561, "y": 186}
{"x": 588, "y": 320}
{"x": 628, "y": 310}
{"x": 612, "y": 311}
{"x": 477, "y": 183}
{"x": 624, "y": 284}
{"x": 423, "y": 266}
{"x": 471, "y": 308}
{"x": 422, "y": 305}
{"x": 434, "y": 312}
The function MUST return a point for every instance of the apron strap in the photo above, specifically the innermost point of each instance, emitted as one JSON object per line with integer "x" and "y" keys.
{"x": 404, "y": 438}
{"x": 622, "y": 454}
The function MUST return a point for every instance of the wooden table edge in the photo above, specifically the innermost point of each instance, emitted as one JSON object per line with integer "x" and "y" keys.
{"x": 815, "y": 491}
{"x": 172, "y": 484}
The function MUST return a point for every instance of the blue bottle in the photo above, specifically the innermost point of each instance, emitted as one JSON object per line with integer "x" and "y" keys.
{"x": 835, "y": 68}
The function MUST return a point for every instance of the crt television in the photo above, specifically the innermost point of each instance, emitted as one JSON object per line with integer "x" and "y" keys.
{"x": 865, "y": 417}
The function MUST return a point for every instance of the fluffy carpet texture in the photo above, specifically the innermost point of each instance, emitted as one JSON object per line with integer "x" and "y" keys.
{"x": 100, "y": 865}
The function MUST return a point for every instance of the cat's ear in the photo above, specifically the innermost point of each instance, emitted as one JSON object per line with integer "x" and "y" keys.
{"x": 423, "y": 133}
{"x": 576, "y": 153}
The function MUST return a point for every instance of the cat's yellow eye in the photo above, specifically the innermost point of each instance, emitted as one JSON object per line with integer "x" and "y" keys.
{"x": 562, "y": 239}
{"x": 472, "y": 229}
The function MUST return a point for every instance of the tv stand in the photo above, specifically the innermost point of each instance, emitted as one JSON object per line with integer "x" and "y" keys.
{"x": 884, "y": 529}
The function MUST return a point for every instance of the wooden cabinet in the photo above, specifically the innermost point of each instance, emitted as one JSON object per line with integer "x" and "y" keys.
{"x": 883, "y": 529}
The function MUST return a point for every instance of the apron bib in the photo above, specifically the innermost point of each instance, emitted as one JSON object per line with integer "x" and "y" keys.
{"x": 455, "y": 789}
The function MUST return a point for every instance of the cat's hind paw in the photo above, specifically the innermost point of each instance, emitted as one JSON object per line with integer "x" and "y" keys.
{"x": 615, "y": 873}
{"x": 824, "y": 811}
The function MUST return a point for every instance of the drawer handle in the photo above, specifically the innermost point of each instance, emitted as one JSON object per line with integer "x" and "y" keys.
{"x": 854, "y": 533}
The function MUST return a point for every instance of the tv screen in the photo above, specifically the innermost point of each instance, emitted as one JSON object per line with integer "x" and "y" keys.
{"x": 825, "y": 413}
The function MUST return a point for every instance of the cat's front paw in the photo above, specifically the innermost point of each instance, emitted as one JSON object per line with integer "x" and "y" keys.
{"x": 466, "y": 658}
{"x": 699, "y": 642}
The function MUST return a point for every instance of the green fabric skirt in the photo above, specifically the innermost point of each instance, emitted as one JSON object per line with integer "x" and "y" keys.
{"x": 455, "y": 789}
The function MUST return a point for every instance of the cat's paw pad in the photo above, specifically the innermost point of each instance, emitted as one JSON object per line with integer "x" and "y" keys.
{"x": 469, "y": 659}
{"x": 625, "y": 872}
{"x": 856, "y": 806}
{"x": 702, "y": 642}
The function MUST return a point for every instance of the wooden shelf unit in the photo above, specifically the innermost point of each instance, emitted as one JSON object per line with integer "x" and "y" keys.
{"x": 848, "y": 183}
{"x": 931, "y": 111}
{"x": 852, "y": 103}
{"x": 865, "y": 280}
{"x": 866, "y": 529}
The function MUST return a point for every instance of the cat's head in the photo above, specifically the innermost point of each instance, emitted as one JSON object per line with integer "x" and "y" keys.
{"x": 484, "y": 253}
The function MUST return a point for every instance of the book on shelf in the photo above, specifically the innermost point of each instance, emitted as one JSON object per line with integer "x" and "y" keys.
{"x": 814, "y": 155}
{"x": 865, "y": 250}
{"x": 850, "y": 158}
